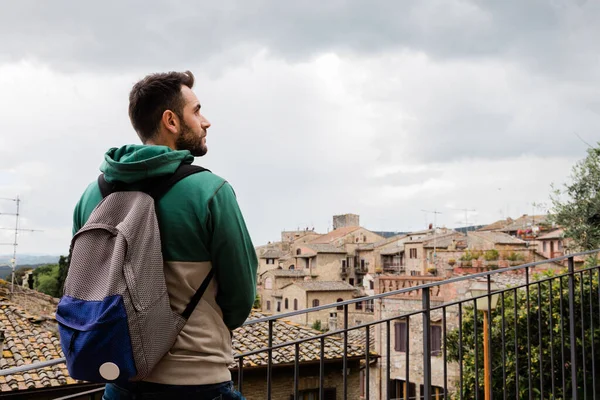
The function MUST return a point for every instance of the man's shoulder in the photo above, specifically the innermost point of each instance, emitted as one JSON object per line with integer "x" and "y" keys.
{"x": 205, "y": 182}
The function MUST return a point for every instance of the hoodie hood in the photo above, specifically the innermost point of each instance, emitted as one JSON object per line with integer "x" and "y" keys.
{"x": 133, "y": 163}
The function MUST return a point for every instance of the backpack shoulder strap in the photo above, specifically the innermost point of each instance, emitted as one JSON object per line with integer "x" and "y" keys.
{"x": 183, "y": 171}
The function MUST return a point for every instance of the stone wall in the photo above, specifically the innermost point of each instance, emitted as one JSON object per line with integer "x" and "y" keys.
{"x": 255, "y": 382}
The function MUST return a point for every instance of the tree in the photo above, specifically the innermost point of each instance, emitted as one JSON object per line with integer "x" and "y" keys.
{"x": 555, "y": 364}
{"x": 45, "y": 279}
{"x": 577, "y": 207}
{"x": 63, "y": 269}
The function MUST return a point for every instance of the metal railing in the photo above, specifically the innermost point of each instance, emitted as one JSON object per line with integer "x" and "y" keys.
{"x": 541, "y": 341}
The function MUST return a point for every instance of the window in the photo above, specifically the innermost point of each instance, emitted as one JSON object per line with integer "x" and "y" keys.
{"x": 436, "y": 340}
{"x": 287, "y": 304}
{"x": 278, "y": 306}
{"x": 369, "y": 307}
{"x": 362, "y": 263}
{"x": 400, "y": 336}
{"x": 295, "y": 304}
{"x": 371, "y": 285}
{"x": 340, "y": 307}
{"x": 359, "y": 305}
{"x": 268, "y": 305}
{"x": 560, "y": 245}
{"x": 436, "y": 391}
{"x": 398, "y": 390}
{"x": 292, "y": 267}
{"x": 298, "y": 251}
{"x": 343, "y": 263}
{"x": 269, "y": 283}
{"x": 315, "y": 303}
{"x": 270, "y": 261}
{"x": 415, "y": 273}
{"x": 545, "y": 246}
{"x": 413, "y": 253}
{"x": 351, "y": 281}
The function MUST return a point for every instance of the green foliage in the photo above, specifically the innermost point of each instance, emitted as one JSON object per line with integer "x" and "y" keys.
{"x": 579, "y": 212}
{"x": 45, "y": 279}
{"x": 515, "y": 257}
{"x": 470, "y": 255}
{"x": 63, "y": 268}
{"x": 317, "y": 325}
{"x": 491, "y": 255}
{"x": 256, "y": 304}
{"x": 516, "y": 316}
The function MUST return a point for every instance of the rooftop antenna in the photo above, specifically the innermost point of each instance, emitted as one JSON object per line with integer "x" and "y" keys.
{"x": 466, "y": 211}
{"x": 435, "y": 213}
{"x": 14, "y": 244}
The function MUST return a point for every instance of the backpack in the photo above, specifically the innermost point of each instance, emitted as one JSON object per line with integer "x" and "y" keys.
{"x": 115, "y": 319}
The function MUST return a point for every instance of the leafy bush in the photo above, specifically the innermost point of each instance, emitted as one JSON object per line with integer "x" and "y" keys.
{"x": 491, "y": 255}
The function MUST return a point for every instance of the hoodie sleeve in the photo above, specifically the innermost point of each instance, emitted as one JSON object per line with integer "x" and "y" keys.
{"x": 233, "y": 257}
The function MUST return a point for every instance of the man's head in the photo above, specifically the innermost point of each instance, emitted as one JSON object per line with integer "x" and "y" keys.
{"x": 164, "y": 110}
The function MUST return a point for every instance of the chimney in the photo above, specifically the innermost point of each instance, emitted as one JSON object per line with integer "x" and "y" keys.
{"x": 345, "y": 220}
{"x": 332, "y": 321}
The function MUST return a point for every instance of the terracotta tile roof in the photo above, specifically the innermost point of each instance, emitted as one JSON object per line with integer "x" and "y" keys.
{"x": 440, "y": 240}
{"x": 498, "y": 238}
{"x": 287, "y": 273}
{"x": 28, "y": 341}
{"x": 325, "y": 286}
{"x": 272, "y": 253}
{"x": 359, "y": 337}
{"x": 496, "y": 225}
{"x": 253, "y": 337}
{"x": 524, "y": 222}
{"x": 556, "y": 234}
{"x": 325, "y": 248}
{"x": 336, "y": 234}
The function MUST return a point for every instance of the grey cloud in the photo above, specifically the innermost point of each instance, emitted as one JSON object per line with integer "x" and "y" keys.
{"x": 118, "y": 36}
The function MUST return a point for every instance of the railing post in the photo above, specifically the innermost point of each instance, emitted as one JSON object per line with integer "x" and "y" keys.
{"x": 572, "y": 328}
{"x": 426, "y": 344}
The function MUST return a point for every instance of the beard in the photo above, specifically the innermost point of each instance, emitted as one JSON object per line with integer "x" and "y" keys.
{"x": 189, "y": 140}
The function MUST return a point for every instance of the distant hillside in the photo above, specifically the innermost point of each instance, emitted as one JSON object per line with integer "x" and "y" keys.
{"x": 24, "y": 260}
{"x": 29, "y": 259}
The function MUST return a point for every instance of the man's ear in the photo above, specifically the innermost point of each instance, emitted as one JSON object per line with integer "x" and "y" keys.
{"x": 170, "y": 121}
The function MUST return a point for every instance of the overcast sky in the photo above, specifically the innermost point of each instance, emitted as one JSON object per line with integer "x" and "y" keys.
{"x": 379, "y": 108}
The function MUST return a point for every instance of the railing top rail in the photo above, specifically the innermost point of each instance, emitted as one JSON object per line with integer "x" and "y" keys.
{"x": 50, "y": 363}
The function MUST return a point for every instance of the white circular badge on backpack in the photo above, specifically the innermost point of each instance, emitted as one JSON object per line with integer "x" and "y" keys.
{"x": 109, "y": 371}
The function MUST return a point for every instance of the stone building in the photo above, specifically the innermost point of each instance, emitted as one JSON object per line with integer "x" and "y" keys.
{"x": 307, "y": 294}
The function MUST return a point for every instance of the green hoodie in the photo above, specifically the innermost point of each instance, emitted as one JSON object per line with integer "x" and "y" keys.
{"x": 199, "y": 219}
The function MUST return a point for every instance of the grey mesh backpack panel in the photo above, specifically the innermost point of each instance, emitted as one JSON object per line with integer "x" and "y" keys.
{"x": 118, "y": 252}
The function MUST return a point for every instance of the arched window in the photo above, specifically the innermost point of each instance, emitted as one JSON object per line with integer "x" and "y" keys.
{"x": 268, "y": 283}
{"x": 340, "y": 307}
{"x": 268, "y": 305}
{"x": 292, "y": 266}
{"x": 298, "y": 251}
{"x": 295, "y": 304}
{"x": 287, "y": 304}
{"x": 315, "y": 303}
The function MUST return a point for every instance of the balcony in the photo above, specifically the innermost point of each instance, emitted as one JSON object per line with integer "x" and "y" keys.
{"x": 524, "y": 335}
{"x": 361, "y": 270}
{"x": 393, "y": 267}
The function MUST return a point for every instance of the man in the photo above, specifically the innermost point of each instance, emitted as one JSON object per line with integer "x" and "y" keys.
{"x": 201, "y": 227}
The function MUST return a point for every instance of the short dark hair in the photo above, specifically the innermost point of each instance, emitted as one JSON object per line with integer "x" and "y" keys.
{"x": 152, "y": 96}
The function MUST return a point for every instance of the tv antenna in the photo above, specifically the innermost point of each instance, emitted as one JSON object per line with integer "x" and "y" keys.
{"x": 14, "y": 244}
{"x": 466, "y": 211}
{"x": 435, "y": 214}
